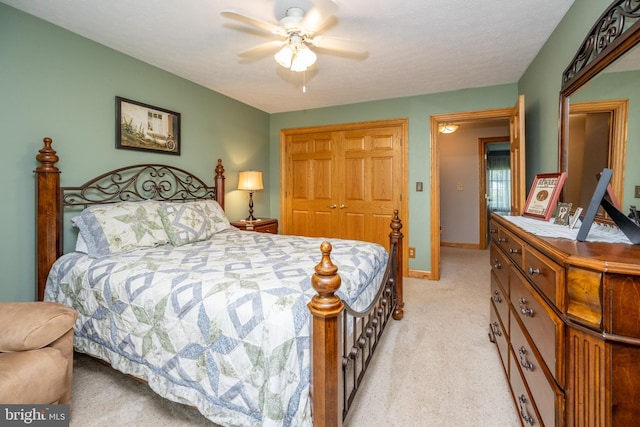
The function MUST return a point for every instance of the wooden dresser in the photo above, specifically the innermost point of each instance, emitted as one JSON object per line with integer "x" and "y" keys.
{"x": 565, "y": 316}
{"x": 265, "y": 225}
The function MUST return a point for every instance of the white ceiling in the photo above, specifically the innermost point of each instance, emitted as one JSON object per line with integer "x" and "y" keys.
{"x": 415, "y": 46}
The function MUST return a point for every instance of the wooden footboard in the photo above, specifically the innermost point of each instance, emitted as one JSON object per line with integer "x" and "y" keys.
{"x": 343, "y": 340}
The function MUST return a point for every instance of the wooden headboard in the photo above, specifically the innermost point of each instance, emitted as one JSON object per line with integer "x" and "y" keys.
{"x": 130, "y": 183}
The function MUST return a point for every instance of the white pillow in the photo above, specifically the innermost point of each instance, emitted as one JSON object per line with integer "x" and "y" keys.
{"x": 121, "y": 227}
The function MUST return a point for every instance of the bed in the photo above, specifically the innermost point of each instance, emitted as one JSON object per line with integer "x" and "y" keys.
{"x": 249, "y": 328}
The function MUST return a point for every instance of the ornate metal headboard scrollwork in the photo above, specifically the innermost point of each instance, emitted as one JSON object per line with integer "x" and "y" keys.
{"x": 130, "y": 183}
{"x": 140, "y": 182}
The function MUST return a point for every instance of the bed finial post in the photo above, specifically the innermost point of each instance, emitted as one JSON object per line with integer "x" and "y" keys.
{"x": 397, "y": 237}
{"x": 326, "y": 308}
{"x": 48, "y": 242}
{"x": 218, "y": 182}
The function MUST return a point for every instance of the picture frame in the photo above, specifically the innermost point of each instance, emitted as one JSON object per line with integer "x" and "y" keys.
{"x": 594, "y": 205}
{"x": 575, "y": 218}
{"x": 543, "y": 195}
{"x": 561, "y": 215}
{"x": 143, "y": 127}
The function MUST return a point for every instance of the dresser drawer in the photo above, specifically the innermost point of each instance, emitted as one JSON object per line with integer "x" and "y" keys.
{"x": 544, "y": 391}
{"x": 524, "y": 403}
{"x": 511, "y": 245}
{"x": 500, "y": 300}
{"x": 499, "y": 336}
{"x": 542, "y": 325}
{"x": 500, "y": 266}
{"x": 546, "y": 275}
{"x": 493, "y": 231}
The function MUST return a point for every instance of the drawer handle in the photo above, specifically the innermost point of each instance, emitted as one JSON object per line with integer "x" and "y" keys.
{"x": 496, "y": 297}
{"x": 523, "y": 411}
{"x": 332, "y": 206}
{"x": 343, "y": 206}
{"x": 496, "y": 329}
{"x": 502, "y": 240}
{"x": 496, "y": 264}
{"x": 533, "y": 271}
{"x": 523, "y": 309}
{"x": 523, "y": 359}
{"x": 493, "y": 231}
{"x": 513, "y": 251}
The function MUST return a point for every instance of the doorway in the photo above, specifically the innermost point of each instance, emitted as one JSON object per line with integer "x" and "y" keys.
{"x": 515, "y": 116}
{"x": 495, "y": 181}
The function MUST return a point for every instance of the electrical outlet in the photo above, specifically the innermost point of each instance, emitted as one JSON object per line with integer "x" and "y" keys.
{"x": 412, "y": 252}
{"x": 419, "y": 186}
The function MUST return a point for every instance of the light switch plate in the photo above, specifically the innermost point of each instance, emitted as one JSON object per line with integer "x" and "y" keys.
{"x": 637, "y": 191}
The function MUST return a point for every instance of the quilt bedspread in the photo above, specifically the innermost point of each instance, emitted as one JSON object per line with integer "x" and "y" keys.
{"x": 221, "y": 324}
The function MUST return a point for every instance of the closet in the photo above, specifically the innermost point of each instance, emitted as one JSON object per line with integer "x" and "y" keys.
{"x": 344, "y": 181}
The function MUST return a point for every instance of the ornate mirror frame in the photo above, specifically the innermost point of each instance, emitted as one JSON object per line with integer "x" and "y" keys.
{"x": 615, "y": 32}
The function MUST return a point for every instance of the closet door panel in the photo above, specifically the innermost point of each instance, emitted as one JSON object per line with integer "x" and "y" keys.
{"x": 310, "y": 184}
{"x": 345, "y": 182}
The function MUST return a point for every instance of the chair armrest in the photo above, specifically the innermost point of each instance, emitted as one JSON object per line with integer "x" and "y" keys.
{"x": 30, "y": 325}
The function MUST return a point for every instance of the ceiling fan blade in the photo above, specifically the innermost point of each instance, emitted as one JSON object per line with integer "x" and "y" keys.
{"x": 316, "y": 17}
{"x": 338, "y": 44}
{"x": 267, "y": 26}
{"x": 263, "y": 48}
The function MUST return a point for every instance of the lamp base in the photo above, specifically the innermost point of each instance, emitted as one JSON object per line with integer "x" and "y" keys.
{"x": 250, "y": 217}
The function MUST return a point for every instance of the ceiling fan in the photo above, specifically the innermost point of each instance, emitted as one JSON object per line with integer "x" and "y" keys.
{"x": 296, "y": 32}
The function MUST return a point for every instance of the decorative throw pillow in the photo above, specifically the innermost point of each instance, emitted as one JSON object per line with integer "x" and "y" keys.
{"x": 192, "y": 221}
{"x": 218, "y": 220}
{"x": 184, "y": 222}
{"x": 121, "y": 227}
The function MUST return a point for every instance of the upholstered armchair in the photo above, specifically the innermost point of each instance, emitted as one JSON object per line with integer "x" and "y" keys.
{"x": 36, "y": 352}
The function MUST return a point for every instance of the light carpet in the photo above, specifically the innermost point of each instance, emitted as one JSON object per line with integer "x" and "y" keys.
{"x": 436, "y": 367}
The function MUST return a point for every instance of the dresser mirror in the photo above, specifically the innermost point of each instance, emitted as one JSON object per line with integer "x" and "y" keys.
{"x": 600, "y": 90}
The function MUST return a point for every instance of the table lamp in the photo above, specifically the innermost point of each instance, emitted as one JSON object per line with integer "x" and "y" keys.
{"x": 250, "y": 181}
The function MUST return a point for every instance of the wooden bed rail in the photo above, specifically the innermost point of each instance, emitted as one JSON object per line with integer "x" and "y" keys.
{"x": 331, "y": 356}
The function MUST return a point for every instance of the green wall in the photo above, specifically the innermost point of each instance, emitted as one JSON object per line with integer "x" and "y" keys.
{"x": 418, "y": 109}
{"x": 58, "y": 84}
{"x": 55, "y": 83}
{"x": 540, "y": 84}
{"x": 542, "y": 81}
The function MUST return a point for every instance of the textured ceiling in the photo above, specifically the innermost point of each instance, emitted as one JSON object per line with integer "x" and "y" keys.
{"x": 415, "y": 46}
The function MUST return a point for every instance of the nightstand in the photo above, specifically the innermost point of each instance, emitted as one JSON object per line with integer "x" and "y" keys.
{"x": 263, "y": 225}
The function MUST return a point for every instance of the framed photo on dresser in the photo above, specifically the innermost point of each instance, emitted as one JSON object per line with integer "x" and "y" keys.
{"x": 543, "y": 195}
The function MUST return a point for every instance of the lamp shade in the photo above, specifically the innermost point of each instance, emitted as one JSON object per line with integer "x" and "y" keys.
{"x": 250, "y": 180}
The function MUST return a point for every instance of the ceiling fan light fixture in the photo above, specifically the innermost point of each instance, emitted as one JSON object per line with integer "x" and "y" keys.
{"x": 284, "y": 56}
{"x": 303, "y": 59}
{"x": 296, "y": 55}
{"x": 448, "y": 128}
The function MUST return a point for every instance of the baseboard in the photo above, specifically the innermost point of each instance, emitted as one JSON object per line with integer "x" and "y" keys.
{"x": 419, "y": 274}
{"x": 461, "y": 245}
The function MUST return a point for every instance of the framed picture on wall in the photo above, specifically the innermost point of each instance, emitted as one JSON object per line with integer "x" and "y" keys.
{"x": 144, "y": 127}
{"x": 543, "y": 195}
